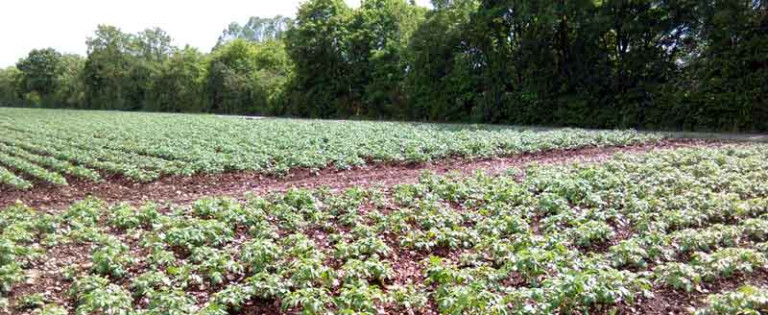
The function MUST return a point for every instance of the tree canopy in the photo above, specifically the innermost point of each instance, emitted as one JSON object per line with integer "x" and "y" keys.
{"x": 680, "y": 64}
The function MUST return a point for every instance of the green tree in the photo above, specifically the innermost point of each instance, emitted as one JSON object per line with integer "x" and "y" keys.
{"x": 179, "y": 85}
{"x": 154, "y": 45}
{"x": 440, "y": 82}
{"x": 682, "y": 64}
{"x": 247, "y": 77}
{"x": 10, "y": 86}
{"x": 40, "y": 70}
{"x": 641, "y": 43}
{"x": 122, "y": 67}
{"x": 148, "y": 51}
{"x": 378, "y": 40}
{"x": 725, "y": 86}
{"x": 108, "y": 68}
{"x": 317, "y": 46}
{"x": 70, "y": 88}
{"x": 522, "y": 52}
{"x": 269, "y": 81}
{"x": 257, "y": 29}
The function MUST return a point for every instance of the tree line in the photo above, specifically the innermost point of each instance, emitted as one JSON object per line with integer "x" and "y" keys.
{"x": 661, "y": 64}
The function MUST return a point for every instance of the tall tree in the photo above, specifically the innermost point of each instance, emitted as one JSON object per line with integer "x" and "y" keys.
{"x": 179, "y": 84}
{"x": 641, "y": 41}
{"x": 40, "y": 70}
{"x": 681, "y": 64}
{"x": 154, "y": 45}
{"x": 10, "y": 86}
{"x": 440, "y": 80}
{"x": 728, "y": 75}
{"x": 121, "y": 67}
{"x": 378, "y": 39}
{"x": 107, "y": 69}
{"x": 149, "y": 50}
{"x": 522, "y": 51}
{"x": 257, "y": 29}
{"x": 247, "y": 77}
{"x": 70, "y": 89}
{"x": 317, "y": 46}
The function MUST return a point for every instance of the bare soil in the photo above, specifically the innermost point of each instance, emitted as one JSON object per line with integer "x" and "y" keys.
{"x": 180, "y": 189}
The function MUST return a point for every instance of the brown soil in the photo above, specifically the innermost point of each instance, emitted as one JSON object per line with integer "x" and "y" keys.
{"x": 179, "y": 189}
{"x": 45, "y": 276}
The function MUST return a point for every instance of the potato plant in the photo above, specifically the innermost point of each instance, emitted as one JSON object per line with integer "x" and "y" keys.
{"x": 581, "y": 238}
{"x": 746, "y": 300}
{"x": 43, "y": 144}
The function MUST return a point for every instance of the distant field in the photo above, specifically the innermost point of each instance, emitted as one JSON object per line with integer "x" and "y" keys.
{"x": 49, "y": 146}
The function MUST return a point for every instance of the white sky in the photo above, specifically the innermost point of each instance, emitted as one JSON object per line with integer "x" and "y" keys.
{"x": 65, "y": 24}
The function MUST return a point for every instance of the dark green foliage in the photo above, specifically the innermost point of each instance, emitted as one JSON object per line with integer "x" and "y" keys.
{"x": 379, "y": 34}
{"x": 108, "y": 68}
{"x": 39, "y": 73}
{"x": 317, "y": 46}
{"x": 247, "y": 78}
{"x": 683, "y": 64}
{"x": 10, "y": 87}
{"x": 728, "y": 82}
{"x": 440, "y": 83}
{"x": 179, "y": 83}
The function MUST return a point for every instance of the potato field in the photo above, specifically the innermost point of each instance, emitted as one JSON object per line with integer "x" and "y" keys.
{"x": 47, "y": 146}
{"x": 675, "y": 229}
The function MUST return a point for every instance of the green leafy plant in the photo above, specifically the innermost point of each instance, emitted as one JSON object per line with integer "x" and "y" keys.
{"x": 746, "y": 300}
{"x": 234, "y": 296}
{"x": 678, "y": 276}
{"x": 360, "y": 297}
{"x": 364, "y": 247}
{"x": 51, "y": 309}
{"x": 192, "y": 233}
{"x": 311, "y": 300}
{"x": 32, "y": 301}
{"x": 149, "y": 282}
{"x": 260, "y": 254}
{"x": 727, "y": 262}
{"x": 372, "y": 269}
{"x": 592, "y": 232}
{"x": 214, "y": 264}
{"x": 408, "y": 297}
{"x": 171, "y": 303}
{"x": 95, "y": 294}
{"x": 112, "y": 259}
{"x": 268, "y": 285}
{"x": 10, "y": 274}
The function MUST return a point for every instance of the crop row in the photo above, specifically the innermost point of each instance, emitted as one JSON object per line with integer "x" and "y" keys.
{"x": 32, "y": 169}
{"x": 572, "y": 238}
{"x": 110, "y": 163}
{"x": 52, "y": 163}
{"x": 145, "y": 146}
{"x": 8, "y": 178}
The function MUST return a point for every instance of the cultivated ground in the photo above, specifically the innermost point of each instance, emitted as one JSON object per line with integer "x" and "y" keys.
{"x": 504, "y": 221}
{"x": 50, "y": 145}
{"x": 186, "y": 189}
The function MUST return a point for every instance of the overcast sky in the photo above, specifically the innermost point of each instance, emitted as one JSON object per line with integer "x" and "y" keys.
{"x": 64, "y": 25}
